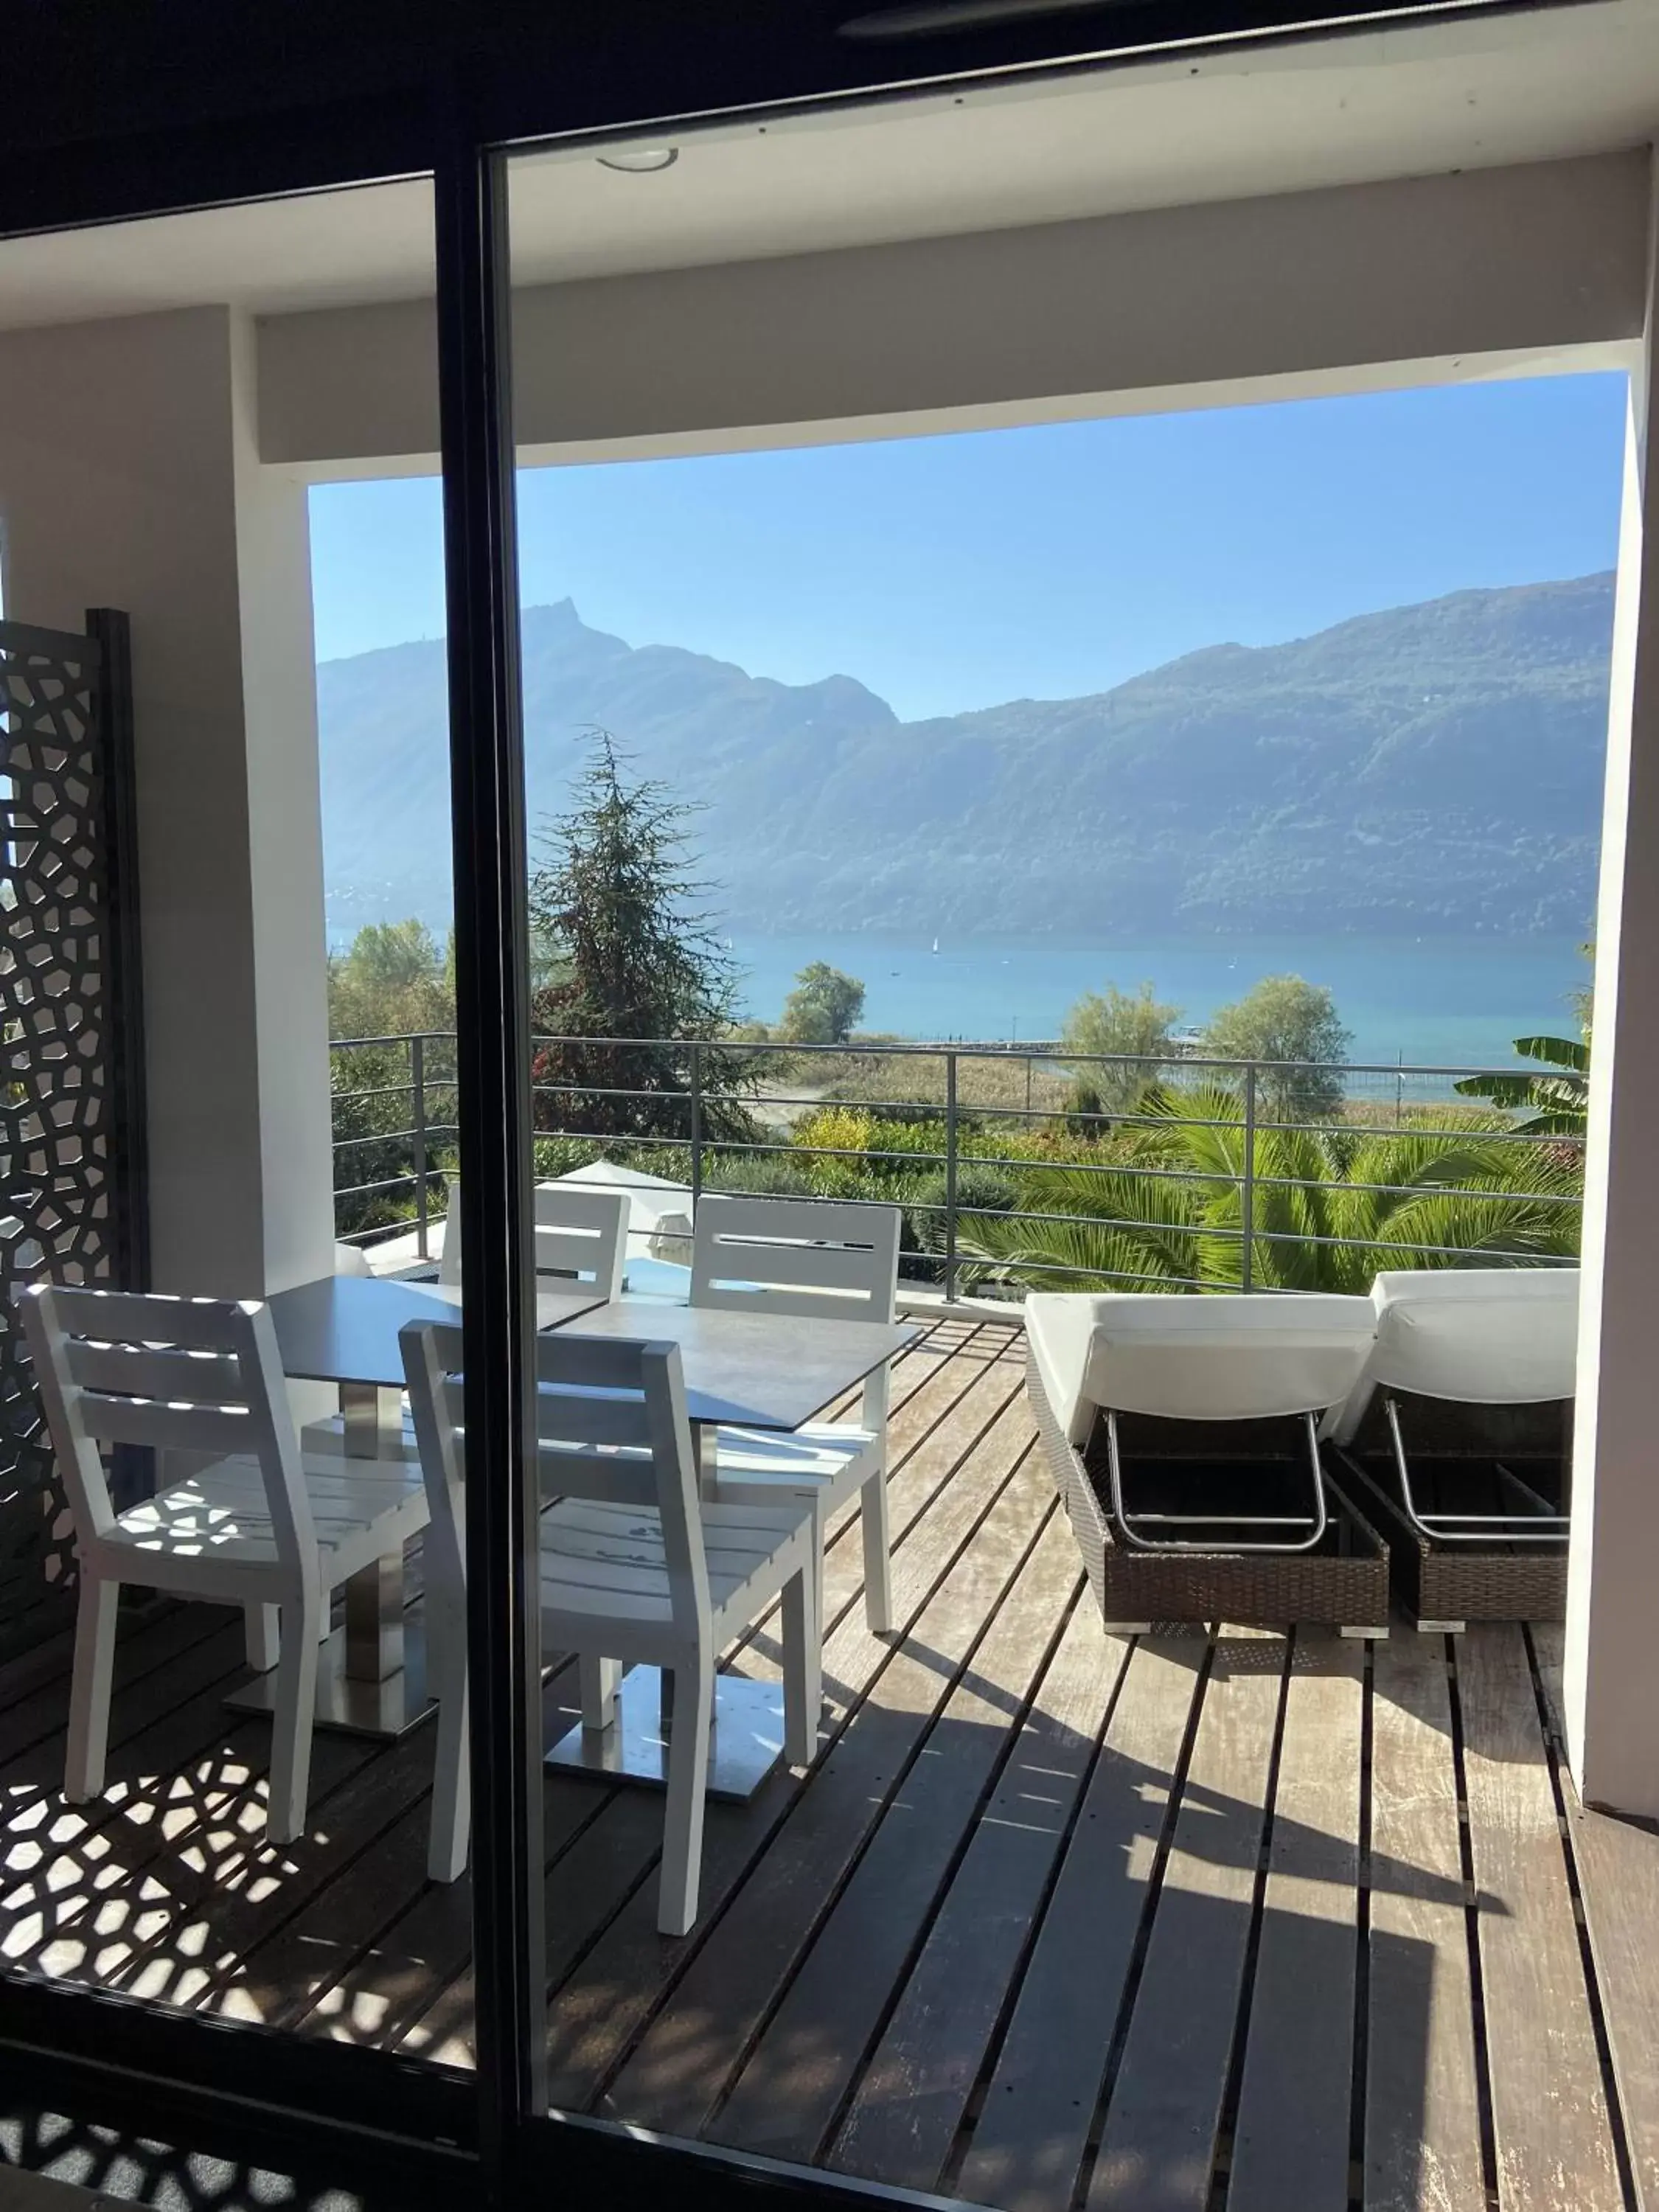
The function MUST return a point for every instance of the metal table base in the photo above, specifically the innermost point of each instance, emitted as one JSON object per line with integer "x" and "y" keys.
{"x": 385, "y": 1708}
{"x": 745, "y": 1743}
{"x": 371, "y": 1674}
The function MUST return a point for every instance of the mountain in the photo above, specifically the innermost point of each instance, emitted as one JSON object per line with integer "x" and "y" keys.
{"x": 1435, "y": 768}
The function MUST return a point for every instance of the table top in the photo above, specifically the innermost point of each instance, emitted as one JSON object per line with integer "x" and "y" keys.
{"x": 758, "y": 1371}
{"x": 343, "y": 1328}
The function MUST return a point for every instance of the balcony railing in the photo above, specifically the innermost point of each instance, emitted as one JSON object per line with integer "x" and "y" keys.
{"x": 961, "y": 1113}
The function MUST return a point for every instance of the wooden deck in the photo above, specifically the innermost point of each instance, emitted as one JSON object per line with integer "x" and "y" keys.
{"x": 1058, "y": 1919}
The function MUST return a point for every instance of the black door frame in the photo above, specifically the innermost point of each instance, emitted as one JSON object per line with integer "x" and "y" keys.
{"x": 459, "y": 120}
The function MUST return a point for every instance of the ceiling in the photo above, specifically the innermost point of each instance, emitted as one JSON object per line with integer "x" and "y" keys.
{"x": 1407, "y": 100}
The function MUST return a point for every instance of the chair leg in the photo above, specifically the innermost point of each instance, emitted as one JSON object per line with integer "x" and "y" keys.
{"x": 292, "y": 1722}
{"x": 90, "y": 1696}
{"x": 264, "y": 1643}
{"x": 451, "y": 1834}
{"x": 600, "y": 1679}
{"x": 803, "y": 1663}
{"x": 878, "y": 1558}
{"x": 688, "y": 1784}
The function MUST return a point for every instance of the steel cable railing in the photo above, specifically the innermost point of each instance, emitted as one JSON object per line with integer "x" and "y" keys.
{"x": 396, "y": 1140}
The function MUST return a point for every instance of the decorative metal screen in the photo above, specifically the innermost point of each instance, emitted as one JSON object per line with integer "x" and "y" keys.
{"x": 64, "y": 1213}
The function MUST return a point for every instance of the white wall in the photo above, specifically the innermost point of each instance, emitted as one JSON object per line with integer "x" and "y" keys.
{"x": 1499, "y": 271}
{"x": 127, "y": 479}
{"x": 1612, "y": 1705}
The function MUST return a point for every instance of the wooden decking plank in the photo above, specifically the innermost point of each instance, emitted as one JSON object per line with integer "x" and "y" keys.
{"x": 1553, "y": 2142}
{"x": 29, "y": 1671}
{"x": 274, "y": 1884}
{"x": 403, "y": 1973}
{"x": 369, "y": 1981}
{"x": 1422, "y": 2102}
{"x": 1619, "y": 1878}
{"x": 1618, "y": 1862}
{"x": 31, "y": 1781}
{"x": 165, "y": 1885}
{"x": 607, "y": 1840}
{"x": 953, "y": 1409}
{"x": 60, "y": 1858}
{"x": 182, "y": 1839}
{"x": 1028, "y": 2142}
{"x": 910, "y": 2102}
{"x": 283, "y": 1970}
{"x": 1290, "y": 2137}
{"x": 1158, "y": 2149}
{"x": 686, "y": 2056}
{"x": 925, "y": 1433}
{"x": 786, "y": 2099}
{"x": 596, "y": 2014}
{"x": 42, "y": 1718}
{"x": 936, "y": 1349}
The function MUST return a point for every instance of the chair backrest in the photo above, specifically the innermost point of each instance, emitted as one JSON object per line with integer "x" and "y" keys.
{"x": 582, "y": 1234}
{"x": 825, "y": 1258}
{"x": 192, "y": 1375}
{"x": 579, "y": 1234}
{"x": 449, "y": 1259}
{"x": 1221, "y": 1358}
{"x": 611, "y": 1425}
{"x": 1479, "y": 1336}
{"x": 351, "y": 1259}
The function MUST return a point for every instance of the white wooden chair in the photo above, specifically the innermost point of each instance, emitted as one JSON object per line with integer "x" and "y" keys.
{"x": 634, "y": 1568}
{"x": 812, "y": 1259}
{"x": 258, "y": 1526}
{"x": 582, "y": 1236}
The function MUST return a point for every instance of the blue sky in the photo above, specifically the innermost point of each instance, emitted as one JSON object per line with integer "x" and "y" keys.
{"x": 955, "y": 572}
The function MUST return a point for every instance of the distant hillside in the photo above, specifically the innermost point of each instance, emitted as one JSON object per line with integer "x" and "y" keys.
{"x": 1434, "y": 768}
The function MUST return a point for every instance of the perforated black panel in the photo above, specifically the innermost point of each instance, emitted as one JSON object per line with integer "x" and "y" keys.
{"x": 56, "y": 1197}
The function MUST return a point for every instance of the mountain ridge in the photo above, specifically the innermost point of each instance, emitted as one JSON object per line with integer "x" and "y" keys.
{"x": 1427, "y": 768}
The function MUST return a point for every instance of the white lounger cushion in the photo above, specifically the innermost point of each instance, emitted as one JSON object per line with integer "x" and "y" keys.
{"x": 1196, "y": 1358}
{"x": 1481, "y": 1336}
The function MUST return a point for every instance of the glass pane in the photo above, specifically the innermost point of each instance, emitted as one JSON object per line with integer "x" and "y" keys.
{"x": 918, "y": 870}
{"x": 223, "y": 427}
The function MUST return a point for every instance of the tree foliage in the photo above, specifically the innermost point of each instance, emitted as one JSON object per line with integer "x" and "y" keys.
{"x": 617, "y": 904}
{"x": 394, "y": 979}
{"x": 824, "y": 1006}
{"x": 1286, "y": 1019}
{"x": 1133, "y": 1029}
{"x": 1326, "y": 1212}
{"x": 1558, "y": 1104}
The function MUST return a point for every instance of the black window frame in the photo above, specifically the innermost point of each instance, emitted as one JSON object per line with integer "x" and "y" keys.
{"x": 459, "y": 119}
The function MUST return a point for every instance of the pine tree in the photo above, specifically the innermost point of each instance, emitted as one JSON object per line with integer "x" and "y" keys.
{"x": 629, "y": 953}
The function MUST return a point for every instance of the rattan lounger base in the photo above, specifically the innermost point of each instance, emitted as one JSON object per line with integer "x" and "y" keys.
{"x": 1443, "y": 1587}
{"x": 1344, "y": 1584}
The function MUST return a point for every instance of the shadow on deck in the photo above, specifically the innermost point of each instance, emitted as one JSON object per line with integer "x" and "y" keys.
{"x": 1059, "y": 1918}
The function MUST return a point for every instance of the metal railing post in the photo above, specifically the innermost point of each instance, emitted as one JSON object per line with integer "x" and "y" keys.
{"x": 949, "y": 1176}
{"x": 1247, "y": 1195}
{"x": 696, "y": 1123}
{"x": 418, "y": 1086}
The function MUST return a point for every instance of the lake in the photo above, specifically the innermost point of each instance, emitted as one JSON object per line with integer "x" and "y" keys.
{"x": 1443, "y": 1000}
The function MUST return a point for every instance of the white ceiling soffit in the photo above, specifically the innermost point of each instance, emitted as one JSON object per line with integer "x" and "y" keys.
{"x": 1409, "y": 101}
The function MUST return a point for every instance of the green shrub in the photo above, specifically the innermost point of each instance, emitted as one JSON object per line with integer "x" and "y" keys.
{"x": 762, "y": 1175}
{"x": 982, "y": 1190}
{"x": 557, "y": 1155}
{"x": 868, "y": 1132}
